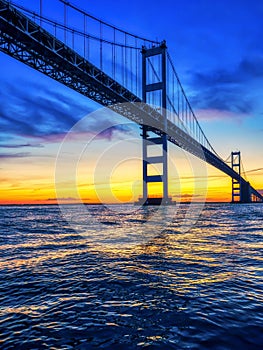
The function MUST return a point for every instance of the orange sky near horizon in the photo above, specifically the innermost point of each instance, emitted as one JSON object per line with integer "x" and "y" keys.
{"x": 109, "y": 178}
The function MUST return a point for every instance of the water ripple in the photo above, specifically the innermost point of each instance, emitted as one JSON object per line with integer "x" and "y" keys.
{"x": 202, "y": 289}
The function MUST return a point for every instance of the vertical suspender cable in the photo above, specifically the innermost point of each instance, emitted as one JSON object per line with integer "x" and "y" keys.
{"x": 186, "y": 117}
{"x": 101, "y": 66}
{"x": 136, "y": 68}
{"x": 194, "y": 128}
{"x": 182, "y": 109}
{"x": 122, "y": 68}
{"x": 173, "y": 92}
{"x": 40, "y": 12}
{"x": 131, "y": 67}
{"x": 73, "y": 41}
{"x": 65, "y": 24}
{"x": 114, "y": 53}
{"x": 161, "y": 79}
{"x": 125, "y": 52}
{"x": 88, "y": 47}
{"x": 84, "y": 43}
{"x": 112, "y": 60}
{"x": 139, "y": 74}
{"x": 178, "y": 100}
{"x": 152, "y": 80}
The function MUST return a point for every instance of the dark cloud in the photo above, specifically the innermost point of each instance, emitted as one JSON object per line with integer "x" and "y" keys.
{"x": 108, "y": 133}
{"x": 62, "y": 199}
{"x": 227, "y": 89}
{"x": 186, "y": 195}
{"x": 39, "y": 112}
{"x": 21, "y": 145}
{"x": 36, "y": 112}
{"x": 14, "y": 155}
{"x": 246, "y": 70}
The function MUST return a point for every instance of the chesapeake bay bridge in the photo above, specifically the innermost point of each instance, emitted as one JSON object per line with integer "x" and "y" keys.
{"x": 132, "y": 75}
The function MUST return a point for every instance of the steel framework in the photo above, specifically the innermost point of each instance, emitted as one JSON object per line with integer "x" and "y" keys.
{"x": 161, "y": 139}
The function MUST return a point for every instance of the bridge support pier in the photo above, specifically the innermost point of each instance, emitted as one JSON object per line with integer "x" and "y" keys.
{"x": 241, "y": 192}
{"x": 149, "y": 88}
{"x": 236, "y": 183}
{"x": 245, "y": 193}
{"x": 148, "y": 143}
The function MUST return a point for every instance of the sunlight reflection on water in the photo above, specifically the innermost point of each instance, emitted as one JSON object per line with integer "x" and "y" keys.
{"x": 63, "y": 289}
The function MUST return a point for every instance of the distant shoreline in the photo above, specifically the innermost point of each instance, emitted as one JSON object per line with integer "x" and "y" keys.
{"x": 99, "y": 204}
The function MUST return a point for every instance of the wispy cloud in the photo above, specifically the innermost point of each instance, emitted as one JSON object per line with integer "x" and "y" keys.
{"x": 226, "y": 89}
{"x": 47, "y": 116}
{"x": 62, "y": 199}
{"x": 211, "y": 115}
{"x": 247, "y": 69}
{"x": 37, "y": 112}
{"x": 187, "y": 196}
{"x": 14, "y": 155}
{"x": 110, "y": 132}
{"x": 21, "y": 145}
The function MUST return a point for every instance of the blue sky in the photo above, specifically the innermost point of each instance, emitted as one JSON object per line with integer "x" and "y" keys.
{"x": 217, "y": 50}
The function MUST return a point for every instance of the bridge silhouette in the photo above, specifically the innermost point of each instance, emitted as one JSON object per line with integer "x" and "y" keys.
{"x": 132, "y": 75}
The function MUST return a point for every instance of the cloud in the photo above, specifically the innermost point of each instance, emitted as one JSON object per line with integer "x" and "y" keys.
{"x": 111, "y": 131}
{"x": 37, "y": 112}
{"x": 48, "y": 115}
{"x": 62, "y": 199}
{"x": 21, "y": 145}
{"x": 14, "y": 155}
{"x": 106, "y": 134}
{"x": 246, "y": 70}
{"x": 217, "y": 114}
{"x": 227, "y": 89}
{"x": 187, "y": 196}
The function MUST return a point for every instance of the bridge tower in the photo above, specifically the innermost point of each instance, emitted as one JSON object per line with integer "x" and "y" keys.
{"x": 148, "y": 141}
{"x": 236, "y": 184}
{"x": 240, "y": 188}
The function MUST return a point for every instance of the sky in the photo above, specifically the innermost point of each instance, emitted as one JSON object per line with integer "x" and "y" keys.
{"x": 217, "y": 50}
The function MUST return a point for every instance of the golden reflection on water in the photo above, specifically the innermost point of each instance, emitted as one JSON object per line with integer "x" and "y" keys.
{"x": 188, "y": 255}
{"x": 153, "y": 287}
{"x": 31, "y": 310}
{"x": 33, "y": 259}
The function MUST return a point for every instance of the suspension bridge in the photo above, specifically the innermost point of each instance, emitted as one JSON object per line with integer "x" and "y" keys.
{"x": 132, "y": 75}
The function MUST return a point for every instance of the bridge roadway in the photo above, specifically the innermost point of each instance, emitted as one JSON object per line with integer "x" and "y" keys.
{"x": 26, "y": 41}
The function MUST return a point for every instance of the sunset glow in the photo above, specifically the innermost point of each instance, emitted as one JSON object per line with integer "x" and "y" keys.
{"x": 222, "y": 81}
